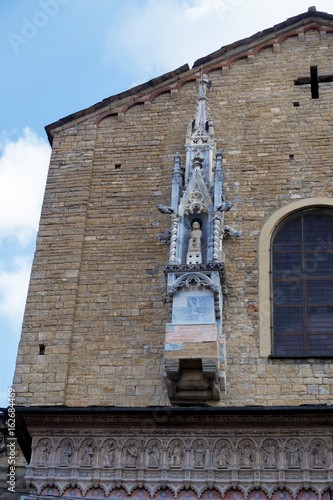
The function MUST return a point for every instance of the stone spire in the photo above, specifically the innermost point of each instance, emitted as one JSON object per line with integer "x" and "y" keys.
{"x": 200, "y": 142}
{"x": 201, "y": 115}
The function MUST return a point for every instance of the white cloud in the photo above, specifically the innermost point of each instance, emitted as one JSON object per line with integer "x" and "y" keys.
{"x": 156, "y": 37}
{"x": 13, "y": 289}
{"x": 23, "y": 169}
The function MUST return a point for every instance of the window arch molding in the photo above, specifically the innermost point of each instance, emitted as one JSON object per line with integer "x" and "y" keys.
{"x": 265, "y": 344}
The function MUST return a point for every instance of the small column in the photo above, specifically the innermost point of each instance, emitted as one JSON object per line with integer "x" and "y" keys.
{"x": 177, "y": 181}
{"x": 219, "y": 178}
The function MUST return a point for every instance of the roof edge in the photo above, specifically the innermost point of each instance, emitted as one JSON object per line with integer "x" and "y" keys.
{"x": 310, "y": 14}
{"x": 116, "y": 97}
{"x": 283, "y": 26}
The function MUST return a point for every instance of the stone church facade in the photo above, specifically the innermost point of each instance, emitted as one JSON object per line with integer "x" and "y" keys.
{"x": 178, "y": 333}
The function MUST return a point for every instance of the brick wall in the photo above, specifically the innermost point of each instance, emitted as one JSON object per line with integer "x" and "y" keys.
{"x": 97, "y": 297}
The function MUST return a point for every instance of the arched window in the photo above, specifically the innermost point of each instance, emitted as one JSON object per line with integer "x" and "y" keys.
{"x": 302, "y": 284}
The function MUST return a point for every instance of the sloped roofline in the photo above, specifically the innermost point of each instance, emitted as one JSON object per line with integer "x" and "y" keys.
{"x": 311, "y": 14}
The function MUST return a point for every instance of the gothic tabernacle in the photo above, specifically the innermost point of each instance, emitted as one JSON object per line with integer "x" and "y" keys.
{"x": 178, "y": 333}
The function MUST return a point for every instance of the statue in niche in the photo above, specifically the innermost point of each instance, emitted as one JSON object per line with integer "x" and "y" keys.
{"x": 176, "y": 455}
{"x": 295, "y": 453}
{"x": 87, "y": 453}
{"x": 153, "y": 454}
{"x": 132, "y": 454}
{"x": 194, "y": 244}
{"x": 66, "y": 453}
{"x": 199, "y": 454}
{"x": 269, "y": 454}
{"x": 223, "y": 455}
{"x": 109, "y": 454}
{"x": 318, "y": 452}
{"x": 246, "y": 454}
{"x": 45, "y": 448}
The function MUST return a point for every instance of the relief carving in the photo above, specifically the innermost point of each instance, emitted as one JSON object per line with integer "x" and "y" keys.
{"x": 195, "y": 202}
{"x": 131, "y": 453}
{"x": 176, "y": 454}
{"x": 199, "y": 451}
{"x": 109, "y": 452}
{"x": 294, "y": 453}
{"x": 87, "y": 452}
{"x": 223, "y": 453}
{"x": 153, "y": 453}
{"x": 318, "y": 453}
{"x": 66, "y": 452}
{"x": 270, "y": 453}
{"x": 45, "y": 448}
{"x": 246, "y": 453}
{"x": 210, "y": 449}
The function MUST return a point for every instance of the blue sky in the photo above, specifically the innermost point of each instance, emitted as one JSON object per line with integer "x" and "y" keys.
{"x": 60, "y": 56}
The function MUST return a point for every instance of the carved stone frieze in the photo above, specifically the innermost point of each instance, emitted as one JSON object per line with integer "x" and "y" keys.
{"x": 205, "y": 456}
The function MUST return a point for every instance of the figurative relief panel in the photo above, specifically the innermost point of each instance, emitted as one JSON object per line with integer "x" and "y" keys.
{"x": 131, "y": 453}
{"x": 294, "y": 453}
{"x": 199, "y": 448}
{"x": 87, "y": 452}
{"x": 44, "y": 450}
{"x": 65, "y": 452}
{"x": 204, "y": 459}
{"x": 222, "y": 454}
{"x": 153, "y": 453}
{"x": 176, "y": 453}
{"x": 270, "y": 453}
{"x": 109, "y": 453}
{"x": 318, "y": 453}
{"x": 247, "y": 453}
